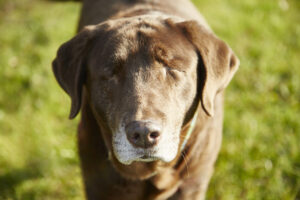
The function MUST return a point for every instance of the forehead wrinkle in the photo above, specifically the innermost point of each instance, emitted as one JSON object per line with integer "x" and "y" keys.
{"x": 132, "y": 35}
{"x": 131, "y": 41}
{"x": 126, "y": 45}
{"x": 172, "y": 53}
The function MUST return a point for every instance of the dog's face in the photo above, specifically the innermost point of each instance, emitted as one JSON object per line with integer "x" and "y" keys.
{"x": 141, "y": 81}
{"x": 144, "y": 77}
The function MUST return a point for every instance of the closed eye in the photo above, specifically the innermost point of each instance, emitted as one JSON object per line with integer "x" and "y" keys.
{"x": 113, "y": 71}
{"x": 174, "y": 73}
{"x": 175, "y": 69}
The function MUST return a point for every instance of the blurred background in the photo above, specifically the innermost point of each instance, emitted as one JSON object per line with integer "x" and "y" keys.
{"x": 260, "y": 155}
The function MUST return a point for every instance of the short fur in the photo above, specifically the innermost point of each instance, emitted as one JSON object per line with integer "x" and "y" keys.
{"x": 149, "y": 61}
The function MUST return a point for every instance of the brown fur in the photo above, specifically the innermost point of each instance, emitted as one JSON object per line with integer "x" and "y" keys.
{"x": 133, "y": 67}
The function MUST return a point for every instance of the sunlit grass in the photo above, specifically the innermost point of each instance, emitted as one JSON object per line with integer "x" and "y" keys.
{"x": 38, "y": 158}
{"x": 260, "y": 153}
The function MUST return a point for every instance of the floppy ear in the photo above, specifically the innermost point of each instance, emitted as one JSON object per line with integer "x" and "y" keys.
{"x": 218, "y": 59}
{"x": 69, "y": 66}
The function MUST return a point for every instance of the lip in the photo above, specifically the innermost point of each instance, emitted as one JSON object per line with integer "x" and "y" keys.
{"x": 147, "y": 158}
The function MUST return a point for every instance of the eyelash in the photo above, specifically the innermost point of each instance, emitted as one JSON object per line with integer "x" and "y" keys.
{"x": 117, "y": 69}
{"x": 174, "y": 73}
{"x": 109, "y": 76}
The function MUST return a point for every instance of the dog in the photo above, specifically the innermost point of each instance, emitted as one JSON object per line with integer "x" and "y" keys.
{"x": 149, "y": 79}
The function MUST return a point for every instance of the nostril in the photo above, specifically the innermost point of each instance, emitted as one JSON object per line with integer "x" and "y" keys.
{"x": 154, "y": 135}
{"x": 136, "y": 136}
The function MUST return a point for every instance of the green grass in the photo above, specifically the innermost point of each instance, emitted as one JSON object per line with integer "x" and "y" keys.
{"x": 260, "y": 156}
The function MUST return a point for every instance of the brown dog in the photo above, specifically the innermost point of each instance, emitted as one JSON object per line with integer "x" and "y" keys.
{"x": 149, "y": 78}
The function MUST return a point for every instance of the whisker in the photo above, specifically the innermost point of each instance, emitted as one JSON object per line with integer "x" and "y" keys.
{"x": 186, "y": 164}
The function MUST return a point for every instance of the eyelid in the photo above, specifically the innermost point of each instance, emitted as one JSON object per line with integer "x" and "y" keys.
{"x": 174, "y": 69}
{"x": 109, "y": 74}
{"x": 174, "y": 73}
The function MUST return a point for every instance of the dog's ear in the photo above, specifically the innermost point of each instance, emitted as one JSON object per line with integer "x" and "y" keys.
{"x": 69, "y": 66}
{"x": 218, "y": 60}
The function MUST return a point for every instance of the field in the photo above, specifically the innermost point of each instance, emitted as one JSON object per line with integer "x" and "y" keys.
{"x": 260, "y": 156}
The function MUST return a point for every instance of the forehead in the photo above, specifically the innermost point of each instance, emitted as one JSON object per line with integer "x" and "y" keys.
{"x": 144, "y": 37}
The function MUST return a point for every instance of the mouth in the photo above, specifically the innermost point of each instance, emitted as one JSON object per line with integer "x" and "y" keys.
{"x": 141, "y": 156}
{"x": 147, "y": 158}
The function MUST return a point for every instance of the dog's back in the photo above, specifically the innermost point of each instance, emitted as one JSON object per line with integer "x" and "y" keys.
{"x": 97, "y": 11}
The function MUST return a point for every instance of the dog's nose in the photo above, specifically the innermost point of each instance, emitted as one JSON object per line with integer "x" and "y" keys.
{"x": 142, "y": 134}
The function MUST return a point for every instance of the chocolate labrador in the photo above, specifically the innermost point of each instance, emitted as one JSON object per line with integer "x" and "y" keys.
{"x": 148, "y": 77}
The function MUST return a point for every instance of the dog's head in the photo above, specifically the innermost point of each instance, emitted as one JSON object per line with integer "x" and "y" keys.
{"x": 144, "y": 77}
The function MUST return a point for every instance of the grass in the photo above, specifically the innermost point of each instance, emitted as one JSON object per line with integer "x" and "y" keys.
{"x": 260, "y": 156}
